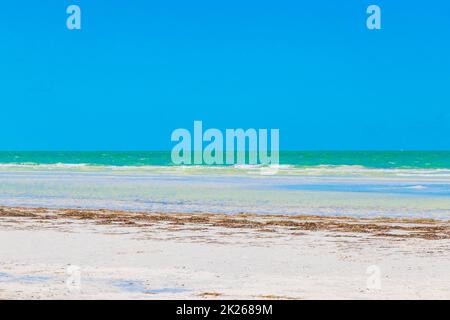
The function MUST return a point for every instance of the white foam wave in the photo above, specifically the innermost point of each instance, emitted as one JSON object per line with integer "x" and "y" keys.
{"x": 320, "y": 170}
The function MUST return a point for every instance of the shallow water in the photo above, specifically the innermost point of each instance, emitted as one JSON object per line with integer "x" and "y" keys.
{"x": 353, "y": 191}
{"x": 23, "y": 278}
{"x": 139, "y": 287}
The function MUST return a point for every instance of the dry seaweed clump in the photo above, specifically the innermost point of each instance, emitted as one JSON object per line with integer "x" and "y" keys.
{"x": 210, "y": 294}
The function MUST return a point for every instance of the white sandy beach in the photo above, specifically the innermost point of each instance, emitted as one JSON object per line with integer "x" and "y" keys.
{"x": 194, "y": 259}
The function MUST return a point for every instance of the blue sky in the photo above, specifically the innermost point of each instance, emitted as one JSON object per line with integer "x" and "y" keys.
{"x": 139, "y": 69}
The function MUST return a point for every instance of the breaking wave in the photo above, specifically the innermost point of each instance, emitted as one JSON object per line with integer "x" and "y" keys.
{"x": 284, "y": 169}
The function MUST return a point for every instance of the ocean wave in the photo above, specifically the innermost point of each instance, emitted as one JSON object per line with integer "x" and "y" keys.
{"x": 418, "y": 187}
{"x": 282, "y": 169}
{"x": 31, "y": 165}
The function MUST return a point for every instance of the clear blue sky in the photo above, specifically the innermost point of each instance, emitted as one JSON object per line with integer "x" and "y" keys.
{"x": 139, "y": 69}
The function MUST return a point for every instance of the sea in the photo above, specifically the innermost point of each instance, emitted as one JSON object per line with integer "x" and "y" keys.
{"x": 412, "y": 184}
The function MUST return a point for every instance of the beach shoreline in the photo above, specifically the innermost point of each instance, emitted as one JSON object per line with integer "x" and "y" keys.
{"x": 142, "y": 255}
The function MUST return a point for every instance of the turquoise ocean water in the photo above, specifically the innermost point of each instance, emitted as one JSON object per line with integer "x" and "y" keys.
{"x": 369, "y": 159}
{"x": 371, "y": 183}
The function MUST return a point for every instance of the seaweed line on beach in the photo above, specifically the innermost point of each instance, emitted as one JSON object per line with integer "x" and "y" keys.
{"x": 428, "y": 229}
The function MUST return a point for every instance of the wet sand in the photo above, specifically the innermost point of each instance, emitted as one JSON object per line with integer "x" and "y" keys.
{"x": 89, "y": 254}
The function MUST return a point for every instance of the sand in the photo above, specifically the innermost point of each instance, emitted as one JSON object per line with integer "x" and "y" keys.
{"x": 104, "y": 254}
